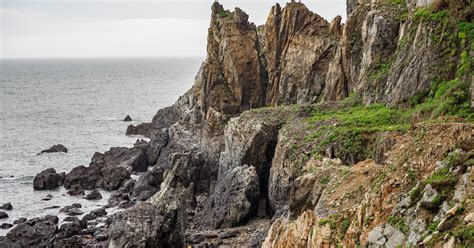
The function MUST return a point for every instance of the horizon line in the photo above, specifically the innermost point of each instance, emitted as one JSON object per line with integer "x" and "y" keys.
{"x": 102, "y": 57}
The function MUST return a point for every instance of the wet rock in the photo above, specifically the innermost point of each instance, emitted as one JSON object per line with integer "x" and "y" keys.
{"x": 84, "y": 177}
{"x": 431, "y": 198}
{"x": 75, "y": 190}
{"x": 127, "y": 118}
{"x": 74, "y": 212}
{"x": 99, "y": 212}
{"x": 132, "y": 159}
{"x": 234, "y": 200}
{"x": 48, "y": 179}
{"x": 6, "y": 206}
{"x": 71, "y": 219}
{"x": 69, "y": 229}
{"x": 94, "y": 195}
{"x": 89, "y": 217}
{"x": 19, "y": 221}
{"x": 116, "y": 176}
{"x": 6, "y": 226}
{"x": 76, "y": 205}
{"x": 51, "y": 207}
{"x": 55, "y": 148}
{"x": 3, "y": 215}
{"x": 37, "y": 232}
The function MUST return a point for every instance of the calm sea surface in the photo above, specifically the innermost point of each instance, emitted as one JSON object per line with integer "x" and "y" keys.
{"x": 78, "y": 103}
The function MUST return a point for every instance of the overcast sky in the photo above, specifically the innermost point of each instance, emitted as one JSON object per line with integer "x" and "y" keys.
{"x": 121, "y": 28}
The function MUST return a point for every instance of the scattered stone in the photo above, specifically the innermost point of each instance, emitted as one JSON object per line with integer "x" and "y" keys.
{"x": 36, "y": 232}
{"x": 386, "y": 236}
{"x": 52, "y": 207}
{"x": 70, "y": 229}
{"x": 331, "y": 162}
{"x": 6, "y": 206}
{"x": 89, "y": 217}
{"x": 430, "y": 199}
{"x": 451, "y": 243}
{"x": 99, "y": 212}
{"x": 94, "y": 195}
{"x": 469, "y": 218}
{"x": 74, "y": 212}
{"x": 127, "y": 118}
{"x": 55, "y": 148}
{"x": 3, "y": 215}
{"x": 71, "y": 219}
{"x": 48, "y": 179}
{"x": 6, "y": 226}
{"x": 76, "y": 190}
{"x": 76, "y": 205}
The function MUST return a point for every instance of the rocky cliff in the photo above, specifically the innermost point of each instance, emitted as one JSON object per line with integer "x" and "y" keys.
{"x": 306, "y": 133}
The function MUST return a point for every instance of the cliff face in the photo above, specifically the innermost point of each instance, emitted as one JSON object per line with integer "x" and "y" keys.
{"x": 309, "y": 133}
{"x": 296, "y": 165}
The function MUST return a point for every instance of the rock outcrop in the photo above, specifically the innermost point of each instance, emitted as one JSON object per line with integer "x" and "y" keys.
{"x": 55, "y": 148}
{"x": 48, "y": 179}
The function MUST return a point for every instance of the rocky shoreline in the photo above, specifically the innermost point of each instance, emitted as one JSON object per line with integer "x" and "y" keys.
{"x": 297, "y": 133}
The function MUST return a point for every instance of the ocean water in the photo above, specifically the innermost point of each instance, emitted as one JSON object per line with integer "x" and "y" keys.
{"x": 79, "y": 103}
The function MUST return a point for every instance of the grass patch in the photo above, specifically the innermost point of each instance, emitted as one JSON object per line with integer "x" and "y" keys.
{"x": 442, "y": 177}
{"x": 353, "y": 124}
{"x": 428, "y": 14}
{"x": 399, "y": 223}
{"x": 448, "y": 98}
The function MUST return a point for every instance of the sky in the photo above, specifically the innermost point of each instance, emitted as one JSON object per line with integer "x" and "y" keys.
{"x": 122, "y": 28}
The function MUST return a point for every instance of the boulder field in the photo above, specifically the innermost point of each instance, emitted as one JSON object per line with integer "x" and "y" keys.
{"x": 299, "y": 133}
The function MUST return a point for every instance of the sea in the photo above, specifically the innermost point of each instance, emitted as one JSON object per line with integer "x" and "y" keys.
{"x": 80, "y": 103}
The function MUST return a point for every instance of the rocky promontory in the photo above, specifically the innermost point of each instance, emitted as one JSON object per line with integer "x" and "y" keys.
{"x": 302, "y": 132}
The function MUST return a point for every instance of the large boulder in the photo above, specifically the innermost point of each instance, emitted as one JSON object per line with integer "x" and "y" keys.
{"x": 93, "y": 195}
{"x": 55, "y": 148}
{"x": 85, "y": 177}
{"x": 385, "y": 236}
{"x": 37, "y": 232}
{"x": 234, "y": 200}
{"x": 48, "y": 179}
{"x": 132, "y": 159}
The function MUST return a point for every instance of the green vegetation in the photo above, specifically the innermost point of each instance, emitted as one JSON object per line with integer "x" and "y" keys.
{"x": 325, "y": 180}
{"x": 380, "y": 71}
{"x": 432, "y": 227}
{"x": 415, "y": 194}
{"x": 442, "y": 177}
{"x": 465, "y": 233}
{"x": 224, "y": 14}
{"x": 428, "y": 14}
{"x": 398, "y": 2}
{"x": 449, "y": 98}
{"x": 454, "y": 158}
{"x": 399, "y": 223}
